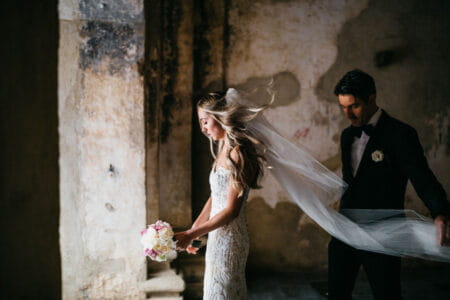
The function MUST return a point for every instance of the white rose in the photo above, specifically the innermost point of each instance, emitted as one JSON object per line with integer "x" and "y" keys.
{"x": 166, "y": 233}
{"x": 149, "y": 239}
{"x": 152, "y": 233}
{"x": 162, "y": 248}
{"x": 147, "y": 242}
{"x": 166, "y": 224}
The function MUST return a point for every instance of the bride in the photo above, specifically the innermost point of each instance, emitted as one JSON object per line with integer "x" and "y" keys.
{"x": 237, "y": 168}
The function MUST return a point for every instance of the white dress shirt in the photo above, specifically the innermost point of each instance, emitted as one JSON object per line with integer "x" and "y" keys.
{"x": 359, "y": 144}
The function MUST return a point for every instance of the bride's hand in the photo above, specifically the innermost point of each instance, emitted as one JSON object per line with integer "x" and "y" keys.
{"x": 191, "y": 250}
{"x": 183, "y": 239}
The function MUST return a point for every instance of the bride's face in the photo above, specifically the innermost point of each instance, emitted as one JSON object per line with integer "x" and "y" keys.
{"x": 209, "y": 126}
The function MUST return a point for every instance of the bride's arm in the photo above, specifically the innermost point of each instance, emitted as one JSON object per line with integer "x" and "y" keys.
{"x": 225, "y": 216}
{"x": 204, "y": 215}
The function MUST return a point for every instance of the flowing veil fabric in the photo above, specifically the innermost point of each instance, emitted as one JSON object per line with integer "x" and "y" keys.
{"x": 314, "y": 188}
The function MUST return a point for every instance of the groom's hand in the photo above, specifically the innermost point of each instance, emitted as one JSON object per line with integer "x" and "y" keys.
{"x": 443, "y": 225}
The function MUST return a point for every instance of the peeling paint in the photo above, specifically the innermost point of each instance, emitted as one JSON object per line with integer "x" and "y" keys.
{"x": 115, "y": 45}
{"x": 320, "y": 120}
{"x": 301, "y": 133}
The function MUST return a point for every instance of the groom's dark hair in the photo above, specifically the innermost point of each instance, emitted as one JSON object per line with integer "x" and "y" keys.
{"x": 356, "y": 83}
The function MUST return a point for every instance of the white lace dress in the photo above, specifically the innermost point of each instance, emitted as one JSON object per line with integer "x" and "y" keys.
{"x": 227, "y": 249}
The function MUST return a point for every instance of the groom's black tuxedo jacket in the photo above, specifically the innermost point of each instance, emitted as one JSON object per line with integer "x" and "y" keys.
{"x": 382, "y": 184}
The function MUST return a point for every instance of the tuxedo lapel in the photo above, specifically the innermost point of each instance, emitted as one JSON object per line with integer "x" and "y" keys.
{"x": 347, "y": 140}
{"x": 366, "y": 158}
{"x": 372, "y": 145}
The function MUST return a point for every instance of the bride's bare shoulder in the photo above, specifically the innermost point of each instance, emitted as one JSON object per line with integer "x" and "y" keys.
{"x": 235, "y": 154}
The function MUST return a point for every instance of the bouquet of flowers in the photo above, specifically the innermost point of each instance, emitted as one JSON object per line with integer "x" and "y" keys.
{"x": 158, "y": 242}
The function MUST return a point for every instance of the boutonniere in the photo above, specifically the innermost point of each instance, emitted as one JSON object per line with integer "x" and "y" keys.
{"x": 377, "y": 155}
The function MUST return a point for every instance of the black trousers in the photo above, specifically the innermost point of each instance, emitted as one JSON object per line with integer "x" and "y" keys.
{"x": 344, "y": 262}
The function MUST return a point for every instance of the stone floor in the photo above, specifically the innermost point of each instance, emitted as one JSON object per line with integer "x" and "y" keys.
{"x": 428, "y": 283}
{"x": 425, "y": 282}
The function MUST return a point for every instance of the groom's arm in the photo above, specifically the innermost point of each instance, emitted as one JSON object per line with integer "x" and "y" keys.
{"x": 414, "y": 165}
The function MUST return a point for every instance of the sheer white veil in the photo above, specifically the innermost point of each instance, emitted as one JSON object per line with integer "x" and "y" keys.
{"x": 314, "y": 188}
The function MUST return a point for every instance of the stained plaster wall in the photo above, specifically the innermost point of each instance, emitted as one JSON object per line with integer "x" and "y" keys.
{"x": 102, "y": 148}
{"x": 211, "y": 38}
{"x": 292, "y": 42}
{"x": 169, "y": 41}
{"x": 305, "y": 47}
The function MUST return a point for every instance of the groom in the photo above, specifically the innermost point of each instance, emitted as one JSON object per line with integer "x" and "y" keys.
{"x": 379, "y": 155}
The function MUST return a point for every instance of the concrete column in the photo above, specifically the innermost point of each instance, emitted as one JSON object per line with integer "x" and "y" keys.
{"x": 102, "y": 148}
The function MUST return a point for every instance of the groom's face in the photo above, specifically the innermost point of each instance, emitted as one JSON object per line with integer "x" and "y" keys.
{"x": 355, "y": 109}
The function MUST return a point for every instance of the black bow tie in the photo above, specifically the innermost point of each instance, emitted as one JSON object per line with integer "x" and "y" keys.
{"x": 357, "y": 131}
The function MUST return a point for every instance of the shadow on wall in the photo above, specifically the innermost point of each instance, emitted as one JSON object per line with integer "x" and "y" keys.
{"x": 284, "y": 85}
{"x": 279, "y": 243}
{"x": 404, "y": 45}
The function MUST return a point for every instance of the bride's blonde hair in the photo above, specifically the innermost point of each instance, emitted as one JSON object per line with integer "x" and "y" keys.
{"x": 249, "y": 167}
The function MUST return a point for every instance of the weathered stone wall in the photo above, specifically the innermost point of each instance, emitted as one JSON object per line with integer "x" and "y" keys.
{"x": 168, "y": 68}
{"x": 305, "y": 47}
{"x": 407, "y": 55}
{"x": 30, "y": 264}
{"x": 102, "y": 148}
{"x": 210, "y": 41}
{"x": 294, "y": 43}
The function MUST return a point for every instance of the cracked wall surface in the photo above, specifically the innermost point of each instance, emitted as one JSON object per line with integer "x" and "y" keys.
{"x": 102, "y": 148}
